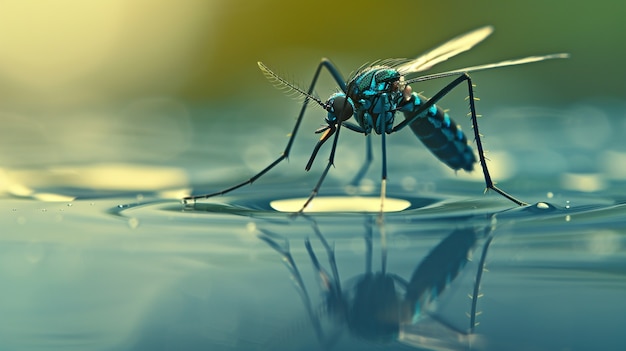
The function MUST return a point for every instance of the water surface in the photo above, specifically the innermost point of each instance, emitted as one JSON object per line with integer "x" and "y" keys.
{"x": 103, "y": 255}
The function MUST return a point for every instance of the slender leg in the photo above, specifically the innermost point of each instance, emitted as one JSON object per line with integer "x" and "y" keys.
{"x": 331, "y": 161}
{"x": 383, "y": 179}
{"x": 325, "y": 63}
{"x": 479, "y": 145}
{"x": 481, "y": 154}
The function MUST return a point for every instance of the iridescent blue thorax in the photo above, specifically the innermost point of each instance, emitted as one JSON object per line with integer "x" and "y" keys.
{"x": 374, "y": 95}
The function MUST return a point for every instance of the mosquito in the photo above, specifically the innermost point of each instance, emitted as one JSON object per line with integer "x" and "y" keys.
{"x": 370, "y": 99}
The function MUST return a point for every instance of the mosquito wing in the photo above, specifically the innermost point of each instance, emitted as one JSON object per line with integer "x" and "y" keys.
{"x": 514, "y": 62}
{"x": 444, "y": 51}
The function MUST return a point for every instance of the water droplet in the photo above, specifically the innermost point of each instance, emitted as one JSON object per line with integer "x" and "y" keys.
{"x": 550, "y": 195}
{"x": 567, "y": 218}
{"x": 542, "y": 205}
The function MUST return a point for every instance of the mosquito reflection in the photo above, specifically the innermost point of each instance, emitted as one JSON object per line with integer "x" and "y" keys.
{"x": 382, "y": 306}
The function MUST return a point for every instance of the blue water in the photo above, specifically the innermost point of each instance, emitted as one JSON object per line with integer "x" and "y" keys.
{"x": 103, "y": 256}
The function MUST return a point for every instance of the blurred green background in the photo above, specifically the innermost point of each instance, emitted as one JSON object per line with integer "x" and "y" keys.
{"x": 69, "y": 53}
{"x": 146, "y": 80}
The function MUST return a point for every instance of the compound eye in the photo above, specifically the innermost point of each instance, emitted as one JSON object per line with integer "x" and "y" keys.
{"x": 342, "y": 107}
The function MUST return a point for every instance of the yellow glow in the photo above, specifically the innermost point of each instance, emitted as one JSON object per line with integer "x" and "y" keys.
{"x": 104, "y": 176}
{"x": 340, "y": 204}
{"x": 501, "y": 167}
{"x": 50, "y": 197}
{"x": 72, "y": 50}
{"x": 587, "y": 182}
{"x": 50, "y": 42}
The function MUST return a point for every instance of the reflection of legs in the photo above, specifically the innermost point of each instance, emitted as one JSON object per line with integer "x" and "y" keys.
{"x": 481, "y": 154}
{"x": 335, "y": 303}
{"x": 369, "y": 224}
{"x": 285, "y": 253}
{"x": 476, "y": 294}
{"x": 325, "y": 63}
{"x": 368, "y": 246}
{"x": 335, "y": 285}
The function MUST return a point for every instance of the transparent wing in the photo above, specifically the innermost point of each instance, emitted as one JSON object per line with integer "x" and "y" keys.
{"x": 489, "y": 66}
{"x": 445, "y": 51}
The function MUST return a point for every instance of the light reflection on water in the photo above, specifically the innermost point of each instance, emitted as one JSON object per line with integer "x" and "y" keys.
{"x": 157, "y": 275}
{"x": 103, "y": 256}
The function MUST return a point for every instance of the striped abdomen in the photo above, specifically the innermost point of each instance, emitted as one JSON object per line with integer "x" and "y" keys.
{"x": 441, "y": 135}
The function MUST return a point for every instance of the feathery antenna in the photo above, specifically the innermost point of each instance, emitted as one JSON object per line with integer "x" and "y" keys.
{"x": 288, "y": 87}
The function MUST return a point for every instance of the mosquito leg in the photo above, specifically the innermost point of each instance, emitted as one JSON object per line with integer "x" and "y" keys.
{"x": 331, "y": 161}
{"x": 479, "y": 145}
{"x": 383, "y": 179}
{"x": 325, "y": 63}
{"x": 481, "y": 154}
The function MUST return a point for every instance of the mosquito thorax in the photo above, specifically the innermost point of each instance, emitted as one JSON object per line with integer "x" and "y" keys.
{"x": 340, "y": 107}
{"x": 376, "y": 79}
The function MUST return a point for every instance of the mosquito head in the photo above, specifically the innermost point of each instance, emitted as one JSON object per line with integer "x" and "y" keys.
{"x": 340, "y": 108}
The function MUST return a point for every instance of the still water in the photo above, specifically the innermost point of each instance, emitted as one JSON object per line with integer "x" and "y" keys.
{"x": 103, "y": 255}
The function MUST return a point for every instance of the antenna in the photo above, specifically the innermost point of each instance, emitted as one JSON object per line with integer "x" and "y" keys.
{"x": 288, "y": 87}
